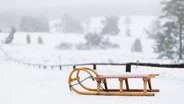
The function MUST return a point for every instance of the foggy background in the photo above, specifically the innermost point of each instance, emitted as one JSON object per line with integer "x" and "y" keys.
{"x": 11, "y": 11}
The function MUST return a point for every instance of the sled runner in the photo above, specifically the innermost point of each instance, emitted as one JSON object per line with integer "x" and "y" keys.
{"x": 76, "y": 79}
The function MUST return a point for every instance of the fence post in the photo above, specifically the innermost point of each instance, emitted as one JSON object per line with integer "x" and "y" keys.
{"x": 74, "y": 67}
{"x": 94, "y": 66}
{"x": 60, "y": 67}
{"x": 128, "y": 67}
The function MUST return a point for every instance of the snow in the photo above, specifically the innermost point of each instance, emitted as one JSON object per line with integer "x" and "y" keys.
{"x": 27, "y": 85}
{"x": 21, "y": 84}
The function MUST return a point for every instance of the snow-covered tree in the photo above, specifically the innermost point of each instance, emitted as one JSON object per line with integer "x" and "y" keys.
{"x": 93, "y": 39}
{"x": 34, "y": 24}
{"x": 137, "y": 46}
{"x": 69, "y": 25}
{"x": 173, "y": 10}
{"x": 168, "y": 32}
{"x": 96, "y": 41}
{"x": 28, "y": 39}
{"x": 10, "y": 37}
{"x": 153, "y": 29}
{"x": 40, "y": 40}
{"x": 110, "y": 26}
{"x": 166, "y": 42}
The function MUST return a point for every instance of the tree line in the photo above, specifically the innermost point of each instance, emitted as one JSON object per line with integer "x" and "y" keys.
{"x": 70, "y": 25}
{"x": 67, "y": 24}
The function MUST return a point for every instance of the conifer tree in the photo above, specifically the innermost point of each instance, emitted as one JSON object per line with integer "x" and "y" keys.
{"x": 166, "y": 43}
{"x": 173, "y": 10}
{"x": 40, "y": 40}
{"x": 110, "y": 26}
{"x": 169, "y": 30}
{"x": 10, "y": 37}
{"x": 137, "y": 46}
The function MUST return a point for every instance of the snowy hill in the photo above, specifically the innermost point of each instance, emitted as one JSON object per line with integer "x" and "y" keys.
{"x": 19, "y": 49}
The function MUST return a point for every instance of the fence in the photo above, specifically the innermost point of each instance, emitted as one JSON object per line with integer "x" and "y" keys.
{"x": 128, "y": 65}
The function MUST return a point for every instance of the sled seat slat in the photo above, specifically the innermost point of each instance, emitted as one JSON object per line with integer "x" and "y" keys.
{"x": 128, "y": 76}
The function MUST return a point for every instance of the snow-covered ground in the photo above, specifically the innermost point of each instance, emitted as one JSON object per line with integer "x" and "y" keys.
{"x": 20, "y": 84}
{"x": 27, "y": 85}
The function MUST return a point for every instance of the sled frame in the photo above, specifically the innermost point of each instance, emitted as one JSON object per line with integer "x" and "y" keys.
{"x": 102, "y": 79}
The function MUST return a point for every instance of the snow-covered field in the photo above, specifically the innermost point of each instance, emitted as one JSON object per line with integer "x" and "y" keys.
{"x": 20, "y": 84}
{"x": 27, "y": 85}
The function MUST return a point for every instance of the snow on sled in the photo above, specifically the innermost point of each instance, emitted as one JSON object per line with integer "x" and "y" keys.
{"x": 79, "y": 80}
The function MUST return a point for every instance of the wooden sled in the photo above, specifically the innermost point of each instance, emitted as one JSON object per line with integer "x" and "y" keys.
{"x": 75, "y": 79}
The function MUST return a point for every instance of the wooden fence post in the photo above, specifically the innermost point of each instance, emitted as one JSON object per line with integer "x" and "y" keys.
{"x": 128, "y": 67}
{"x": 60, "y": 67}
{"x": 94, "y": 66}
{"x": 74, "y": 67}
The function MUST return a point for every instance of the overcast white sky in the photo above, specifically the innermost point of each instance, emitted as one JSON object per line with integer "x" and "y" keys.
{"x": 52, "y": 3}
{"x": 85, "y": 7}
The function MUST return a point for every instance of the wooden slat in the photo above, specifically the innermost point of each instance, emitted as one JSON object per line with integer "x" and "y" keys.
{"x": 127, "y": 84}
{"x": 121, "y": 85}
{"x": 119, "y": 94}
